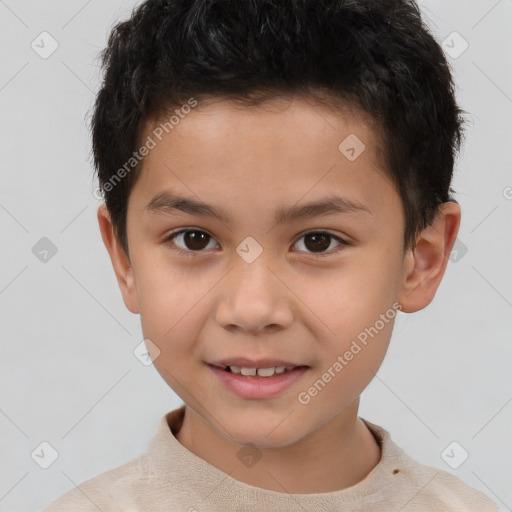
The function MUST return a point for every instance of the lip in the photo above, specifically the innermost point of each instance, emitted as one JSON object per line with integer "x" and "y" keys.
{"x": 258, "y": 388}
{"x": 254, "y": 363}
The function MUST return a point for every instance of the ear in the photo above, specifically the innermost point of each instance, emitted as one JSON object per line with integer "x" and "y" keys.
{"x": 120, "y": 261}
{"x": 424, "y": 266}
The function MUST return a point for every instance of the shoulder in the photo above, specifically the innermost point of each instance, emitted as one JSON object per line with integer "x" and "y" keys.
{"x": 421, "y": 488}
{"x": 109, "y": 491}
{"x": 435, "y": 489}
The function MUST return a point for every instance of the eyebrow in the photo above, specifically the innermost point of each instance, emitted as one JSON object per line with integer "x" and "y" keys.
{"x": 167, "y": 202}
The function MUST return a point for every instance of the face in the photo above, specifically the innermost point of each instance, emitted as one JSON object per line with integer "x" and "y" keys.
{"x": 295, "y": 290}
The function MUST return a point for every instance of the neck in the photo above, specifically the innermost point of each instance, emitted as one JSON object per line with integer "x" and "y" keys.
{"x": 337, "y": 455}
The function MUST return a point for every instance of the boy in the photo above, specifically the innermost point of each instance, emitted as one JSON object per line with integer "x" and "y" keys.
{"x": 230, "y": 138}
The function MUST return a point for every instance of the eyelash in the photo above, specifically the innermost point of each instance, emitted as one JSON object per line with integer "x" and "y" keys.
{"x": 314, "y": 255}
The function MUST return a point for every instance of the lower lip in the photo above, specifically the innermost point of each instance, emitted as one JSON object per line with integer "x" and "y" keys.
{"x": 258, "y": 387}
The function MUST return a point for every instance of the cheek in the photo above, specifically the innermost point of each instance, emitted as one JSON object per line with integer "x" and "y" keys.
{"x": 346, "y": 300}
{"x": 353, "y": 318}
{"x": 348, "y": 367}
{"x": 167, "y": 293}
{"x": 174, "y": 303}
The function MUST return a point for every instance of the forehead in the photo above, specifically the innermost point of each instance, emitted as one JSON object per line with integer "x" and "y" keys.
{"x": 281, "y": 152}
{"x": 279, "y": 123}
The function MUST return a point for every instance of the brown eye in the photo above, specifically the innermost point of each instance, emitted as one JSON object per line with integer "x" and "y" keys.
{"x": 190, "y": 241}
{"x": 318, "y": 242}
{"x": 193, "y": 240}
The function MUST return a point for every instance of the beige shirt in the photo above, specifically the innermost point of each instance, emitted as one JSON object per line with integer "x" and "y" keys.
{"x": 171, "y": 478}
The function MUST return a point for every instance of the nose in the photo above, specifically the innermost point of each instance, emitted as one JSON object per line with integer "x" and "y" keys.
{"x": 254, "y": 299}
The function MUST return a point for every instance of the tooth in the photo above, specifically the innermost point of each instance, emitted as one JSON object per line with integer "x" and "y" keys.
{"x": 266, "y": 372}
{"x": 261, "y": 372}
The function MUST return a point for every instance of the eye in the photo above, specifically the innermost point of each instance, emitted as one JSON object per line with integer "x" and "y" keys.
{"x": 320, "y": 240}
{"x": 194, "y": 240}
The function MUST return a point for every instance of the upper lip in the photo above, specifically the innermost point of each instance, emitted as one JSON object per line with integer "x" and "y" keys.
{"x": 253, "y": 363}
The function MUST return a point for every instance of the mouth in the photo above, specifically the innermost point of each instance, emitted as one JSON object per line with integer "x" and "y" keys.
{"x": 257, "y": 367}
{"x": 258, "y": 382}
{"x": 266, "y": 372}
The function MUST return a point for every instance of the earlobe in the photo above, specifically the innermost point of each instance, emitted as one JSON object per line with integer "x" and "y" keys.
{"x": 120, "y": 261}
{"x": 425, "y": 265}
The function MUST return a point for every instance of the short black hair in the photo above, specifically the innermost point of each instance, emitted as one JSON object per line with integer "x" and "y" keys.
{"x": 377, "y": 55}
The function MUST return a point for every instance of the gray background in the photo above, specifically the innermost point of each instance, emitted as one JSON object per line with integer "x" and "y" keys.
{"x": 68, "y": 375}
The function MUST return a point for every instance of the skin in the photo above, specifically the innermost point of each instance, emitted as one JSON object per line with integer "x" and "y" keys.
{"x": 286, "y": 304}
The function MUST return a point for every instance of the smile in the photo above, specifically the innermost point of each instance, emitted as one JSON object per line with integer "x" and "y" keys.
{"x": 258, "y": 383}
{"x": 260, "y": 372}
